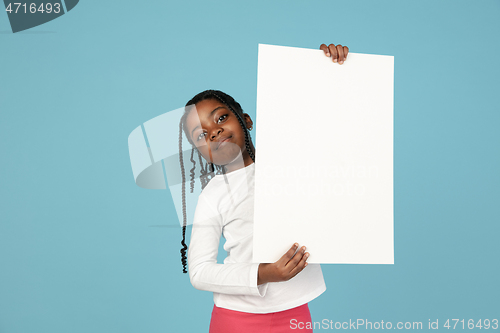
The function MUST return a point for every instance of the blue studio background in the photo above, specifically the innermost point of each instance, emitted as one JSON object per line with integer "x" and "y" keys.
{"x": 84, "y": 249}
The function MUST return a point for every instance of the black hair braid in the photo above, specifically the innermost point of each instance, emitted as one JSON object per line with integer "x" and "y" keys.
{"x": 184, "y": 220}
{"x": 219, "y": 169}
{"x": 207, "y": 172}
{"x": 192, "y": 171}
{"x": 204, "y": 171}
{"x": 242, "y": 123}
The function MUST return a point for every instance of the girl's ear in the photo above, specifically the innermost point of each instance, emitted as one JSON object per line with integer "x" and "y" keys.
{"x": 248, "y": 120}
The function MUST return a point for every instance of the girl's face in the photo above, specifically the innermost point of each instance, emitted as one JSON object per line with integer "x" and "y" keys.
{"x": 217, "y": 134}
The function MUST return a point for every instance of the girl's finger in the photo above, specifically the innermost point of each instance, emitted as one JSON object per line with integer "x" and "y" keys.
{"x": 296, "y": 258}
{"x": 325, "y": 49}
{"x": 300, "y": 266}
{"x": 333, "y": 52}
{"x": 346, "y": 51}
{"x": 340, "y": 51}
{"x": 288, "y": 255}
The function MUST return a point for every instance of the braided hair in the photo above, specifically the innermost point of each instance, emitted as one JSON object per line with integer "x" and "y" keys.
{"x": 208, "y": 170}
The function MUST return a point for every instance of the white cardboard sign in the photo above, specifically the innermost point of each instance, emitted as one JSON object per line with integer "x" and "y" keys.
{"x": 324, "y": 156}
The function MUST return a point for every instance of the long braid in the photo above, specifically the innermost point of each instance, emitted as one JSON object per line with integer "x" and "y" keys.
{"x": 203, "y": 170}
{"x": 206, "y": 172}
{"x": 219, "y": 169}
{"x": 242, "y": 124}
{"x": 184, "y": 220}
{"x": 192, "y": 171}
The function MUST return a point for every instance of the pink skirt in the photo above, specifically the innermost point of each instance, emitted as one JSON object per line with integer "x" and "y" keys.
{"x": 230, "y": 321}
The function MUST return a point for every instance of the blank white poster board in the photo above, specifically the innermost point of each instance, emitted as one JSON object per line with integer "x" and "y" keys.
{"x": 324, "y": 156}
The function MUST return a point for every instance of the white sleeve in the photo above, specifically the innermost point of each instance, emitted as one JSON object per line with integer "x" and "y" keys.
{"x": 204, "y": 271}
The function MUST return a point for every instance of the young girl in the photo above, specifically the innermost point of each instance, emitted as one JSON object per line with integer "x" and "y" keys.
{"x": 248, "y": 297}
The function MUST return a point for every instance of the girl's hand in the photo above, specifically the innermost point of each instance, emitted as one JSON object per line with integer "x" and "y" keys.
{"x": 285, "y": 268}
{"x": 338, "y": 53}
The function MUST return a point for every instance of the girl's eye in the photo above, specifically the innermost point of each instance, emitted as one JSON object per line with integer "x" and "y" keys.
{"x": 221, "y": 118}
{"x": 199, "y": 136}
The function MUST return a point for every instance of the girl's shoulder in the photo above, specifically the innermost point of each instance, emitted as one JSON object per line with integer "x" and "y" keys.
{"x": 224, "y": 192}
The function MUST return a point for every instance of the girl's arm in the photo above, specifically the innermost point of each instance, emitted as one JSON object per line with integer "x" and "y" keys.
{"x": 233, "y": 278}
{"x": 204, "y": 271}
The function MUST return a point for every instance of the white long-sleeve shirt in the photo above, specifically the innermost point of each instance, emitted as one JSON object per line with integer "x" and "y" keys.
{"x": 225, "y": 207}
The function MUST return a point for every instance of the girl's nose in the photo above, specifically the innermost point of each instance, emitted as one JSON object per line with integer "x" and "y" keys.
{"x": 215, "y": 133}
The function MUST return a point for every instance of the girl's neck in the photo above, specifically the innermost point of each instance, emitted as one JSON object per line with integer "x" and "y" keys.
{"x": 237, "y": 163}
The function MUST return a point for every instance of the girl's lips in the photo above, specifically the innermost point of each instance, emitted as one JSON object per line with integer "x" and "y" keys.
{"x": 222, "y": 142}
